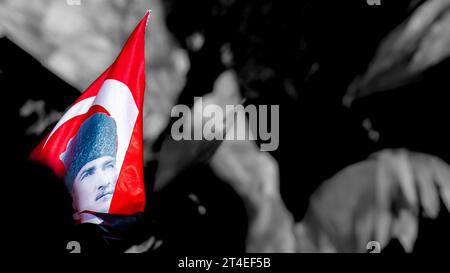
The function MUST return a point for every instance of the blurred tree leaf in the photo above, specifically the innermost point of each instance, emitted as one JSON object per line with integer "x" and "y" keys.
{"x": 150, "y": 244}
{"x": 255, "y": 177}
{"x": 376, "y": 199}
{"x": 177, "y": 156}
{"x": 419, "y": 43}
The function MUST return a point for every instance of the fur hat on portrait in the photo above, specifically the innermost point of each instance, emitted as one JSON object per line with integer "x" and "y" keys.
{"x": 97, "y": 137}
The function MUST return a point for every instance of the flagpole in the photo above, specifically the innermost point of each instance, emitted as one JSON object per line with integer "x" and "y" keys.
{"x": 149, "y": 11}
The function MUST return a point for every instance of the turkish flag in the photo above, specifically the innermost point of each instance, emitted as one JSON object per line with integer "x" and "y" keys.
{"x": 97, "y": 147}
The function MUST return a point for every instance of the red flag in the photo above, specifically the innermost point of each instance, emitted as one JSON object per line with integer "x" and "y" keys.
{"x": 96, "y": 147}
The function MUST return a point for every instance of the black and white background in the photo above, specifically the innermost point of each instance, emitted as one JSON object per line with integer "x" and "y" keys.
{"x": 363, "y": 92}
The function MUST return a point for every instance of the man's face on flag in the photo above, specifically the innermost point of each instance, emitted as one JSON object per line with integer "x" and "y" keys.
{"x": 90, "y": 162}
{"x": 94, "y": 184}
